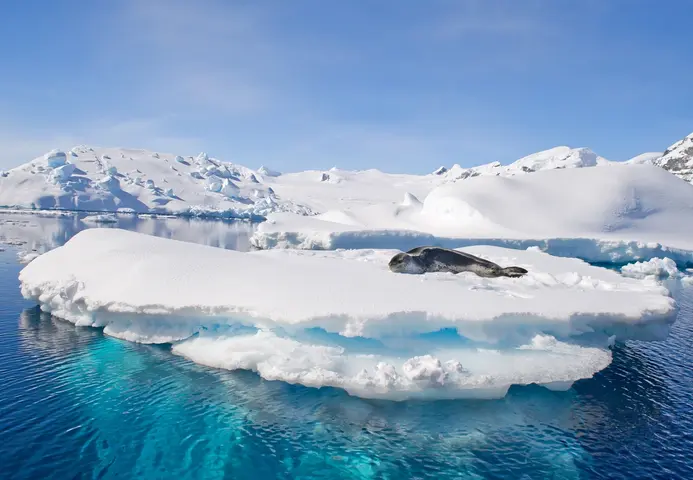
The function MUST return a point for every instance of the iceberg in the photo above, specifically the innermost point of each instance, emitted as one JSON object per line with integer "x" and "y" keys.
{"x": 342, "y": 319}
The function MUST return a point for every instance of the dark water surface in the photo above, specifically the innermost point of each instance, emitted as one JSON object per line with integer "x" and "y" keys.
{"x": 77, "y": 404}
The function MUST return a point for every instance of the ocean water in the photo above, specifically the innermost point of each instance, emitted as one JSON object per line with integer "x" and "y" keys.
{"x": 77, "y": 404}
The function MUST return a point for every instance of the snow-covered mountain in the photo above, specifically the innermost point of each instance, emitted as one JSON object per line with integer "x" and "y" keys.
{"x": 554, "y": 158}
{"x": 678, "y": 159}
{"x": 622, "y": 203}
{"x": 113, "y": 179}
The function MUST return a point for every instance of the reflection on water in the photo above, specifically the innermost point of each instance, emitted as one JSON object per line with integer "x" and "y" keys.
{"x": 120, "y": 408}
{"x": 74, "y": 403}
{"x": 40, "y": 233}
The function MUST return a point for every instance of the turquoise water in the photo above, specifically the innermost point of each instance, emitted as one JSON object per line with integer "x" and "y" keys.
{"x": 77, "y": 404}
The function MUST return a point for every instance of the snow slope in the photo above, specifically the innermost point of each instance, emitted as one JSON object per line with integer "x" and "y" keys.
{"x": 343, "y": 319}
{"x": 112, "y": 179}
{"x": 348, "y": 190}
{"x": 641, "y": 205}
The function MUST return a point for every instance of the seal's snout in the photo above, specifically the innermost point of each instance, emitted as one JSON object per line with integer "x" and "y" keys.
{"x": 405, "y": 263}
{"x": 398, "y": 263}
{"x": 514, "y": 272}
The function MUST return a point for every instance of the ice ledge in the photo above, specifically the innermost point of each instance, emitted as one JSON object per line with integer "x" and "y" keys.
{"x": 347, "y": 292}
{"x": 592, "y": 250}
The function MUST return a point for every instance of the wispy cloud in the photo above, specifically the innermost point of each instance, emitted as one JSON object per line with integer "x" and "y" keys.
{"x": 508, "y": 36}
{"x": 207, "y": 54}
{"x": 491, "y": 18}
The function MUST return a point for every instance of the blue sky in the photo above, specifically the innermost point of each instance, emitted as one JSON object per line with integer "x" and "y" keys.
{"x": 398, "y": 85}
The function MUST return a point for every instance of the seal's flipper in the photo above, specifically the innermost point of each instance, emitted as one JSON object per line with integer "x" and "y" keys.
{"x": 513, "y": 272}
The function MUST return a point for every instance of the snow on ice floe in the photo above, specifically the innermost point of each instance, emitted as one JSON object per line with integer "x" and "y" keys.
{"x": 618, "y": 213}
{"x": 342, "y": 319}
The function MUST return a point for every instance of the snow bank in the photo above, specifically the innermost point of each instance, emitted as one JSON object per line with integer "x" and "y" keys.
{"x": 342, "y": 319}
{"x": 636, "y": 209}
{"x": 621, "y": 200}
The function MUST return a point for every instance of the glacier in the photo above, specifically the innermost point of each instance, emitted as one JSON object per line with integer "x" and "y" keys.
{"x": 96, "y": 179}
{"x": 99, "y": 179}
{"x": 614, "y": 214}
{"x": 342, "y": 319}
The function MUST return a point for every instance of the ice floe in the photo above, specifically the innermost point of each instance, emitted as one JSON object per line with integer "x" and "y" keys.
{"x": 341, "y": 318}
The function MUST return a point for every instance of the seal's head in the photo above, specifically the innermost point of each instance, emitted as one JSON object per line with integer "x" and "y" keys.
{"x": 405, "y": 263}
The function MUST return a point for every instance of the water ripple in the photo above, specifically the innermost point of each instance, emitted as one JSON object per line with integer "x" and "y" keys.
{"x": 75, "y": 404}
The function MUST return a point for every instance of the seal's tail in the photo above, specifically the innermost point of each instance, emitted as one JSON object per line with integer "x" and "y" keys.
{"x": 513, "y": 272}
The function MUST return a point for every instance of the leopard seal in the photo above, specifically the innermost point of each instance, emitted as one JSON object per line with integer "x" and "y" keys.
{"x": 435, "y": 259}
